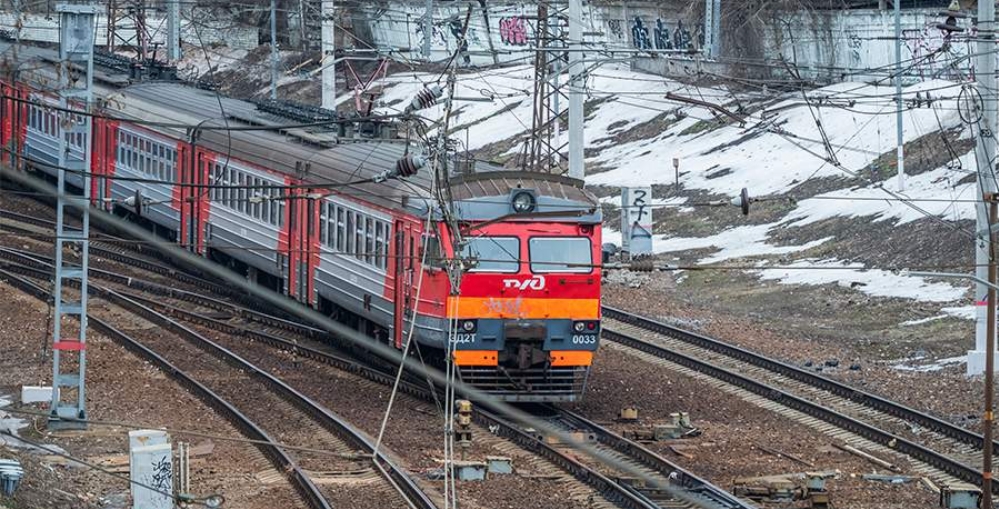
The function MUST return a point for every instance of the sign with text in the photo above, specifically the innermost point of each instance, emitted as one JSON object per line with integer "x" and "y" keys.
{"x": 636, "y": 220}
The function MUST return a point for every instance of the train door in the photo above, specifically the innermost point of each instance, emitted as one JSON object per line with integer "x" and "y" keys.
{"x": 403, "y": 249}
{"x": 299, "y": 229}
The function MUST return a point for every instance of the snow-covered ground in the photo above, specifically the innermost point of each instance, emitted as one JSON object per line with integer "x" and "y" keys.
{"x": 779, "y": 147}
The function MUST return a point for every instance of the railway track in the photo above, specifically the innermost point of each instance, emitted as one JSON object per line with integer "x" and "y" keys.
{"x": 281, "y": 461}
{"x": 259, "y": 403}
{"x": 941, "y": 451}
{"x": 250, "y": 324}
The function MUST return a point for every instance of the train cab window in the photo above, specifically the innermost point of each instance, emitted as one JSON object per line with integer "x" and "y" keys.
{"x": 561, "y": 254}
{"x": 430, "y": 250}
{"x": 494, "y": 254}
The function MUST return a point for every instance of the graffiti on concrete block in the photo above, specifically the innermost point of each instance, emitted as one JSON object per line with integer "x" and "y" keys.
{"x": 614, "y": 26}
{"x": 662, "y": 37}
{"x": 437, "y": 38}
{"x": 932, "y": 52}
{"x": 681, "y": 37}
{"x": 513, "y": 31}
{"x": 640, "y": 34}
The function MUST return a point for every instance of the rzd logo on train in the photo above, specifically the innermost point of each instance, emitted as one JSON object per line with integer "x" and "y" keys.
{"x": 535, "y": 283}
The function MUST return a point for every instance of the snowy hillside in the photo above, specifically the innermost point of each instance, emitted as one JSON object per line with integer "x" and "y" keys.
{"x": 633, "y": 133}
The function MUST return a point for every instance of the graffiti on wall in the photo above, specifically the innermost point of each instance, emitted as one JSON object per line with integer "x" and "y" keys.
{"x": 932, "y": 52}
{"x": 513, "y": 31}
{"x": 437, "y": 38}
{"x": 663, "y": 37}
{"x": 640, "y": 34}
{"x": 614, "y": 26}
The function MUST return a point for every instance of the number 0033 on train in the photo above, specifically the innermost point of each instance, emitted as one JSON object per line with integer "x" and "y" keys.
{"x": 526, "y": 321}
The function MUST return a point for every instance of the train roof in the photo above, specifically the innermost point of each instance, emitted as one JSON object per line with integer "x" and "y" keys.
{"x": 314, "y": 155}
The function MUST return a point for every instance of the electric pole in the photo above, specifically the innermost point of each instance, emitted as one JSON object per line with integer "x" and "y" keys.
{"x": 898, "y": 94}
{"x": 576, "y": 83}
{"x": 712, "y": 28}
{"x": 76, "y": 51}
{"x": 328, "y": 32}
{"x": 274, "y": 52}
{"x": 983, "y": 118}
{"x": 428, "y": 29}
{"x": 173, "y": 30}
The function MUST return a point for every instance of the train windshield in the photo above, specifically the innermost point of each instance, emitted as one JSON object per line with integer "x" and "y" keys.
{"x": 494, "y": 254}
{"x": 561, "y": 254}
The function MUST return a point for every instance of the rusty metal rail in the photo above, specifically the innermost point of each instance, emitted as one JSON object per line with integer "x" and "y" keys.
{"x": 281, "y": 461}
{"x": 678, "y": 476}
{"x": 843, "y": 390}
{"x": 394, "y": 474}
{"x": 872, "y": 433}
{"x": 623, "y": 496}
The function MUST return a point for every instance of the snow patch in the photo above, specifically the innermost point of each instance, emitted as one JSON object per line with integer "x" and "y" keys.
{"x": 932, "y": 366}
{"x": 873, "y": 282}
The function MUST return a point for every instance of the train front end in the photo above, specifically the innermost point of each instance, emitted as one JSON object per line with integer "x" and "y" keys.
{"x": 527, "y": 319}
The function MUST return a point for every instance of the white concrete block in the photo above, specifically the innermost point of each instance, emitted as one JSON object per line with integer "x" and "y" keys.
{"x": 36, "y": 394}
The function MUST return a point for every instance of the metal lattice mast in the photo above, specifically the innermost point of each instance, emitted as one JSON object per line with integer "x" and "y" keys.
{"x": 127, "y": 26}
{"x": 544, "y": 148}
{"x": 69, "y": 361}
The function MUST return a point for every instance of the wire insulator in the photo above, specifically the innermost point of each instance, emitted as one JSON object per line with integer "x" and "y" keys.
{"x": 643, "y": 266}
{"x": 426, "y": 98}
{"x": 409, "y": 165}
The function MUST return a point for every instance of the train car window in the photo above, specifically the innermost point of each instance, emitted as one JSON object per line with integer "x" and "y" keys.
{"x": 258, "y": 205}
{"x": 265, "y": 206}
{"x": 226, "y": 182}
{"x": 241, "y": 192}
{"x": 369, "y": 241}
{"x": 324, "y": 223}
{"x": 560, "y": 254}
{"x": 233, "y": 192}
{"x": 494, "y": 254}
{"x": 349, "y": 232}
{"x": 359, "y": 236}
{"x": 341, "y": 229}
{"x": 380, "y": 235}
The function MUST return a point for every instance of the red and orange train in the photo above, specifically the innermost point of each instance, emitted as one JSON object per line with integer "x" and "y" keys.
{"x": 307, "y": 212}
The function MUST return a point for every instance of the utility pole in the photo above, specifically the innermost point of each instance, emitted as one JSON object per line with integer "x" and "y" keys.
{"x": 988, "y": 418}
{"x": 576, "y": 83}
{"x": 898, "y": 93}
{"x": 76, "y": 51}
{"x": 173, "y": 30}
{"x": 328, "y": 44}
{"x": 712, "y": 28}
{"x": 303, "y": 38}
{"x": 274, "y": 51}
{"x": 984, "y": 129}
{"x": 428, "y": 29}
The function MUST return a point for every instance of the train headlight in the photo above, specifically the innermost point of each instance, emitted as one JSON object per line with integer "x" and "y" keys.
{"x": 579, "y": 326}
{"x": 523, "y": 202}
{"x": 468, "y": 325}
